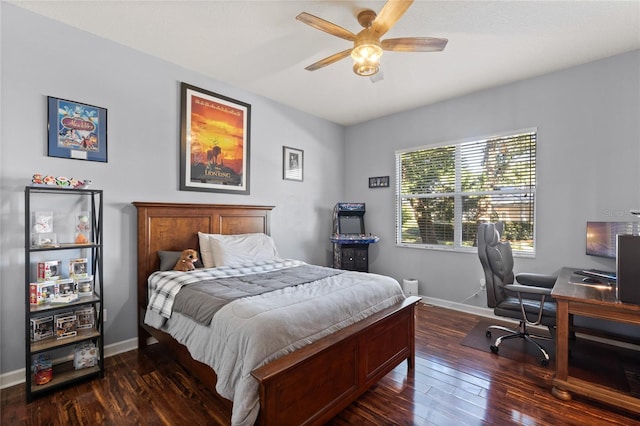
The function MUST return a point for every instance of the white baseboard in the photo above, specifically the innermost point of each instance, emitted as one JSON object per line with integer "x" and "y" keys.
{"x": 17, "y": 377}
{"x": 477, "y": 310}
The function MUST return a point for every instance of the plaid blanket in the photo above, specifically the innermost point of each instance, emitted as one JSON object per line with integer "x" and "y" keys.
{"x": 164, "y": 285}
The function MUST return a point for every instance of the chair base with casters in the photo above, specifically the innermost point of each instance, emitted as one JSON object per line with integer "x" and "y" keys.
{"x": 520, "y": 332}
{"x": 543, "y": 311}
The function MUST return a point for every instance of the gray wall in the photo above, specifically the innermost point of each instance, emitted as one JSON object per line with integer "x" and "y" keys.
{"x": 588, "y": 121}
{"x": 41, "y": 58}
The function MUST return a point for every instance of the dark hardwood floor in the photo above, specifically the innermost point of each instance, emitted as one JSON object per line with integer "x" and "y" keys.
{"x": 451, "y": 385}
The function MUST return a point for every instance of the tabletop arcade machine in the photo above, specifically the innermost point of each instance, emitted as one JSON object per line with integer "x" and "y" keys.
{"x": 350, "y": 241}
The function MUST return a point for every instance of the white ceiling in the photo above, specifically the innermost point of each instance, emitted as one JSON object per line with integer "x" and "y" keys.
{"x": 259, "y": 46}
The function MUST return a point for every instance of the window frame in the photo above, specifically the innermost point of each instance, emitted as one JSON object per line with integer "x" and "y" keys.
{"x": 458, "y": 194}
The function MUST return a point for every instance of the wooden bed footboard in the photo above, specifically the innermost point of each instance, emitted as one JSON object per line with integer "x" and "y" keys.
{"x": 313, "y": 384}
{"x": 308, "y": 386}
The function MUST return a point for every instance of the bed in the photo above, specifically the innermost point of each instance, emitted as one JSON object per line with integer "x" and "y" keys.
{"x": 307, "y": 386}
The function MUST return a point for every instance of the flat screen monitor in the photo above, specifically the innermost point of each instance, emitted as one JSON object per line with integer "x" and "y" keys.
{"x": 601, "y": 237}
{"x": 350, "y": 224}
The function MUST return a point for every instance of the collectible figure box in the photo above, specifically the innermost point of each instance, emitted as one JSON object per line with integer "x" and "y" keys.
{"x": 83, "y": 228}
{"x": 48, "y": 239}
{"x": 86, "y": 355}
{"x": 48, "y": 271}
{"x": 41, "y": 293}
{"x": 63, "y": 299}
{"x": 42, "y": 222}
{"x": 78, "y": 268}
{"x": 42, "y": 369}
{"x": 65, "y": 325}
{"x": 66, "y": 286}
{"x": 85, "y": 318}
{"x": 84, "y": 286}
{"x": 41, "y": 328}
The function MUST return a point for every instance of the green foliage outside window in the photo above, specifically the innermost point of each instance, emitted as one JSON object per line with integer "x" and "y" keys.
{"x": 443, "y": 193}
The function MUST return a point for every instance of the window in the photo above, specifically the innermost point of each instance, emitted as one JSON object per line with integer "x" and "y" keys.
{"x": 444, "y": 192}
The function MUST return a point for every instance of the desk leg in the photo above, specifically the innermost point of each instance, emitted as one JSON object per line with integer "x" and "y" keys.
{"x": 562, "y": 350}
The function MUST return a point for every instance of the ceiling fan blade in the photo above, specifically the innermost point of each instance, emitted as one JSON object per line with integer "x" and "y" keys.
{"x": 414, "y": 44}
{"x": 326, "y": 26}
{"x": 389, "y": 15}
{"x": 328, "y": 60}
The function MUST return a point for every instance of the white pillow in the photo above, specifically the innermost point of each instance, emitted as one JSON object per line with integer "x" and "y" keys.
{"x": 240, "y": 249}
{"x": 206, "y": 252}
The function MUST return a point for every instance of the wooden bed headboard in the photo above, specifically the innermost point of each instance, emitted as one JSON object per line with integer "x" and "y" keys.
{"x": 175, "y": 226}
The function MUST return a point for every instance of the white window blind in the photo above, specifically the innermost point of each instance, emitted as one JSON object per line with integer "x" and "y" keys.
{"x": 443, "y": 193}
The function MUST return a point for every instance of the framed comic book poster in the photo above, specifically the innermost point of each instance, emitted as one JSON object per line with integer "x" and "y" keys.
{"x": 76, "y": 130}
{"x": 214, "y": 142}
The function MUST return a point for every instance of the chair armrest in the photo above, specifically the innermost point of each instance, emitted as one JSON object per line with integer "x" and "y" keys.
{"x": 528, "y": 289}
{"x": 537, "y": 280}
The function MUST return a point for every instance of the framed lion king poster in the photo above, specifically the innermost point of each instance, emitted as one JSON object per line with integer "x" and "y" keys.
{"x": 214, "y": 142}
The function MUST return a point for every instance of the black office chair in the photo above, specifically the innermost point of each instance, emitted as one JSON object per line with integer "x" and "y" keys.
{"x": 528, "y": 299}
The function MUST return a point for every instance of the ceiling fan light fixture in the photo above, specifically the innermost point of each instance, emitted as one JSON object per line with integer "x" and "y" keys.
{"x": 366, "y": 53}
{"x": 366, "y": 68}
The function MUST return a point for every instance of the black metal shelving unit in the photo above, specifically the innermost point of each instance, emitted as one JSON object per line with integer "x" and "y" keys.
{"x": 64, "y": 201}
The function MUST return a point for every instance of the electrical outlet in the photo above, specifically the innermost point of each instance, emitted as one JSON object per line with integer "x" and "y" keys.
{"x": 104, "y": 315}
{"x": 483, "y": 284}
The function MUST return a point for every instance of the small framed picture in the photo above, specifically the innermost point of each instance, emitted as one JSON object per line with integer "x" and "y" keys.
{"x": 76, "y": 130}
{"x": 292, "y": 164}
{"x": 379, "y": 182}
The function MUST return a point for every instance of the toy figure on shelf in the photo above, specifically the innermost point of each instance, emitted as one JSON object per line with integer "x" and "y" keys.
{"x": 37, "y": 179}
{"x": 83, "y": 228}
{"x": 81, "y": 239}
{"x": 80, "y": 184}
{"x": 60, "y": 181}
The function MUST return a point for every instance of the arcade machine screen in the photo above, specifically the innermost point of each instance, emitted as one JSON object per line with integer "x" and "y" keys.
{"x": 351, "y": 225}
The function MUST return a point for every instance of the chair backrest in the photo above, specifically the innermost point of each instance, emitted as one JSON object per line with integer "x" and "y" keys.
{"x": 497, "y": 261}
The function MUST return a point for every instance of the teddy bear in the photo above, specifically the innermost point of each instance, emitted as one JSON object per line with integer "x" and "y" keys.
{"x": 186, "y": 261}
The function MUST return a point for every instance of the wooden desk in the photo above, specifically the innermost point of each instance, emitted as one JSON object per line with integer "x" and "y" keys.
{"x": 594, "y": 302}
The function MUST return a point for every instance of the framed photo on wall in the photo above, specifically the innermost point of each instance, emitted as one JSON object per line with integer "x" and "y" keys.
{"x": 292, "y": 164}
{"x": 214, "y": 142}
{"x": 379, "y": 182}
{"x": 76, "y": 130}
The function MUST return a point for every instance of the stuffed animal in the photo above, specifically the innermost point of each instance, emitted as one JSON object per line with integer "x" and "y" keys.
{"x": 186, "y": 261}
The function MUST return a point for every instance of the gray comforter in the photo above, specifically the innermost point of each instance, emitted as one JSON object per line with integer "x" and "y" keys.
{"x": 201, "y": 300}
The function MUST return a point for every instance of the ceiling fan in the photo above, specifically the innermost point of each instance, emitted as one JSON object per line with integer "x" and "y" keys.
{"x": 367, "y": 46}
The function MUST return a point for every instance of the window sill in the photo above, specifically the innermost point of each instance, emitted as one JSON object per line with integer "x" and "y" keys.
{"x": 451, "y": 249}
